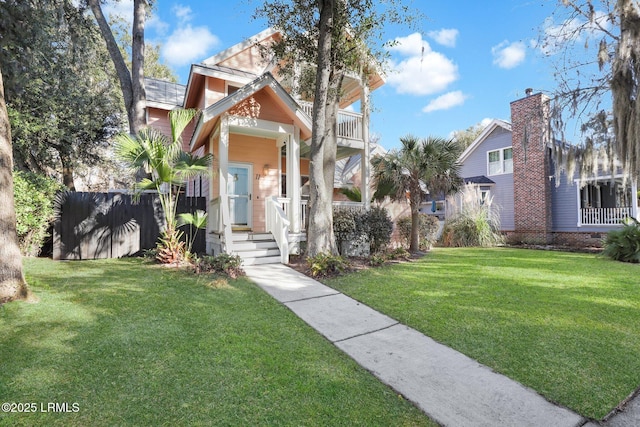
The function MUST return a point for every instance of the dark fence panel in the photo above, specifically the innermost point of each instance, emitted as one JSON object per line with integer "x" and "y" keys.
{"x": 112, "y": 225}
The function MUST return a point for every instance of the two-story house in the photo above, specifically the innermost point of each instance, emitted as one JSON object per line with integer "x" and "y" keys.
{"x": 512, "y": 164}
{"x": 259, "y": 134}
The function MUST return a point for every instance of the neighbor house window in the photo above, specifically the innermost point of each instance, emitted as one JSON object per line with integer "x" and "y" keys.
{"x": 500, "y": 161}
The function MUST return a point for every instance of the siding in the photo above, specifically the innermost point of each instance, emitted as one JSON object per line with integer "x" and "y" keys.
{"x": 502, "y": 192}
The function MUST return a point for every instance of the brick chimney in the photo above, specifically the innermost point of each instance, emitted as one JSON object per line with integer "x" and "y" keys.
{"x": 531, "y": 185}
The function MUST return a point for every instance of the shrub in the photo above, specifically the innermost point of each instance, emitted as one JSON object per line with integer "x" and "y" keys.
{"x": 350, "y": 226}
{"x": 474, "y": 223}
{"x": 399, "y": 253}
{"x": 323, "y": 265}
{"x": 428, "y": 229}
{"x": 231, "y": 265}
{"x": 34, "y": 202}
{"x": 380, "y": 228}
{"x": 624, "y": 244}
{"x": 377, "y": 259}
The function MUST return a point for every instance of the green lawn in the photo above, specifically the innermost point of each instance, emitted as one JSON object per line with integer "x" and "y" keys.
{"x": 565, "y": 324}
{"x": 134, "y": 344}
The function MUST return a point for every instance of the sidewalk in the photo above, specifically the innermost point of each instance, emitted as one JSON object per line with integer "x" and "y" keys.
{"x": 449, "y": 387}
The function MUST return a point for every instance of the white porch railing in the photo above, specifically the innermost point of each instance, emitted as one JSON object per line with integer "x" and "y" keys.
{"x": 604, "y": 216}
{"x": 285, "y": 204}
{"x": 219, "y": 224}
{"x": 278, "y": 225}
{"x": 349, "y": 123}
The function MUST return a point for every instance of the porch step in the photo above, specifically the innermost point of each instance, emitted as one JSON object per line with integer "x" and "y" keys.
{"x": 256, "y": 248}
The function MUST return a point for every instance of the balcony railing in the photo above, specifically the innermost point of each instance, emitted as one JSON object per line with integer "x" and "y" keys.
{"x": 349, "y": 123}
{"x": 604, "y": 216}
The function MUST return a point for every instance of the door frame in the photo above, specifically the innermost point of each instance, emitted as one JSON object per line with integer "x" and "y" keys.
{"x": 249, "y": 167}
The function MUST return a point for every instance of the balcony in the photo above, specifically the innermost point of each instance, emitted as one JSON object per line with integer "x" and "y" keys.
{"x": 350, "y": 138}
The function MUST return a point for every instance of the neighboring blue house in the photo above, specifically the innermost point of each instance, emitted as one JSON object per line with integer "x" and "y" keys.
{"x": 511, "y": 165}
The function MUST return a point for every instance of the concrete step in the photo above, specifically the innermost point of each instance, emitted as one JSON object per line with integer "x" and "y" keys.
{"x": 251, "y": 245}
{"x": 246, "y": 236}
{"x": 261, "y": 260}
{"x": 257, "y": 253}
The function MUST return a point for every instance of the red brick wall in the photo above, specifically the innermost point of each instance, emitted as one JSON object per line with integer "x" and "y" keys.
{"x": 531, "y": 186}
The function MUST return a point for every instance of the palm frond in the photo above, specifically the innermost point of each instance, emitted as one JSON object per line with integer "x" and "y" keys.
{"x": 180, "y": 119}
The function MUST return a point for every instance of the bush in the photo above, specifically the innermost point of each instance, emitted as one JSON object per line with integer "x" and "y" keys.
{"x": 380, "y": 228}
{"x": 323, "y": 265}
{"x": 399, "y": 253}
{"x": 355, "y": 227}
{"x": 349, "y": 226}
{"x": 377, "y": 259}
{"x": 231, "y": 265}
{"x": 428, "y": 229}
{"x": 624, "y": 244}
{"x": 34, "y": 202}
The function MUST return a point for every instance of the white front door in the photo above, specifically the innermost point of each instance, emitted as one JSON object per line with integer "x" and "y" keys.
{"x": 239, "y": 191}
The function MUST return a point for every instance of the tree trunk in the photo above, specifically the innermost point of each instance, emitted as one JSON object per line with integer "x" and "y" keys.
{"x": 320, "y": 238}
{"x": 137, "y": 65}
{"x": 67, "y": 173}
{"x": 12, "y": 283}
{"x": 132, "y": 87}
{"x": 414, "y": 246}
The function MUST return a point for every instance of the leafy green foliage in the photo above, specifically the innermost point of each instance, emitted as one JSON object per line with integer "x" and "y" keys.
{"x": 33, "y": 195}
{"x": 169, "y": 167}
{"x": 428, "y": 228}
{"x": 231, "y": 265}
{"x": 323, "y": 265}
{"x": 419, "y": 166}
{"x": 352, "y": 193}
{"x": 350, "y": 226}
{"x": 359, "y": 227}
{"x": 398, "y": 253}
{"x": 624, "y": 244}
{"x": 196, "y": 221}
{"x": 380, "y": 228}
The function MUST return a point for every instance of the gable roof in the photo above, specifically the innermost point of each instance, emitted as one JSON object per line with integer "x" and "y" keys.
{"x": 493, "y": 125}
{"x": 206, "y": 120}
{"x": 239, "y": 47}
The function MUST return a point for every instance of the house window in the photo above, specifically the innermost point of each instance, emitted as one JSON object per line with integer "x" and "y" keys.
{"x": 231, "y": 89}
{"x": 500, "y": 161}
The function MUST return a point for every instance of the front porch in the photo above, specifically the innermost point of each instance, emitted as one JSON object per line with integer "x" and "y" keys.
{"x": 606, "y": 202}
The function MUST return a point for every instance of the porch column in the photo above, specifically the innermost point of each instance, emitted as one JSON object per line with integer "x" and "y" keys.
{"x": 293, "y": 179}
{"x": 223, "y": 166}
{"x": 365, "y": 163}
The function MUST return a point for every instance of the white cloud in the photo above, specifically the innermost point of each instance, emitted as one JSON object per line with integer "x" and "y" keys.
{"x": 182, "y": 13}
{"x": 122, "y": 9}
{"x": 187, "y": 44}
{"x": 508, "y": 55}
{"x": 423, "y": 72}
{"x": 446, "y": 101}
{"x": 446, "y": 36}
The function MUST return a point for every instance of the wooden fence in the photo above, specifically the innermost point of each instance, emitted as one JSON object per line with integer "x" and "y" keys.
{"x": 112, "y": 225}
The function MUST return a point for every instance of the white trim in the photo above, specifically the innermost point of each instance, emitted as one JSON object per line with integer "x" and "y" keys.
{"x": 501, "y": 160}
{"x": 228, "y": 84}
{"x": 495, "y": 123}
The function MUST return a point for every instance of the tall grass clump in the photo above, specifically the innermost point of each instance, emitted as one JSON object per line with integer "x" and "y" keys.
{"x": 473, "y": 222}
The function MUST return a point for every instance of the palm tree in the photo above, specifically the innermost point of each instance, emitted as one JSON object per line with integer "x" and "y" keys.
{"x": 169, "y": 169}
{"x": 419, "y": 167}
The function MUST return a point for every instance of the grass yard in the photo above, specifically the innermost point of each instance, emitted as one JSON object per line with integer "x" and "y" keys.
{"x": 565, "y": 324}
{"x": 134, "y": 344}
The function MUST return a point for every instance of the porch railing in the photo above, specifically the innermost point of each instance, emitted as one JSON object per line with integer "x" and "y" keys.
{"x": 604, "y": 216}
{"x": 349, "y": 123}
{"x": 285, "y": 204}
{"x": 218, "y": 222}
{"x": 278, "y": 225}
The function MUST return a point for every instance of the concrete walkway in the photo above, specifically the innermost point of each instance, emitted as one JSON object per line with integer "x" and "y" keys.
{"x": 449, "y": 387}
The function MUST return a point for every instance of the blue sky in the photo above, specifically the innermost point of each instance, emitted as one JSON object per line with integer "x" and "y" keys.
{"x": 478, "y": 57}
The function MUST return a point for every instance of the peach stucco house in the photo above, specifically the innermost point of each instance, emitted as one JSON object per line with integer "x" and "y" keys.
{"x": 259, "y": 134}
